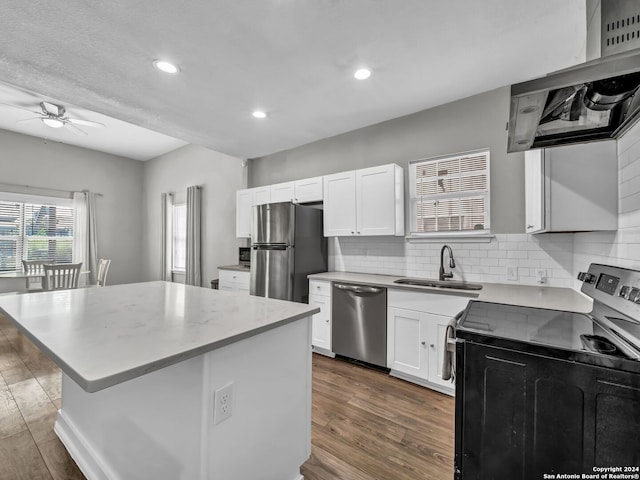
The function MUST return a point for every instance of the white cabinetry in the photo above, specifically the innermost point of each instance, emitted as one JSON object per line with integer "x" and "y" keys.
{"x": 364, "y": 202}
{"x": 320, "y": 296}
{"x": 299, "y": 191}
{"x": 416, "y": 327}
{"x": 245, "y": 200}
{"x": 572, "y": 188}
{"x": 234, "y": 281}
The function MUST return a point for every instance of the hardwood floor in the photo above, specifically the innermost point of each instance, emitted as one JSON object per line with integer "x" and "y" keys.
{"x": 366, "y": 424}
{"x": 370, "y": 426}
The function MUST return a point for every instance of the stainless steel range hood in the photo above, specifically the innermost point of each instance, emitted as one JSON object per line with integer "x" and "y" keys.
{"x": 597, "y": 100}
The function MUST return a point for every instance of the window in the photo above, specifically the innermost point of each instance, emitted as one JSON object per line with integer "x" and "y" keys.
{"x": 179, "y": 234}
{"x": 450, "y": 194}
{"x": 34, "y": 228}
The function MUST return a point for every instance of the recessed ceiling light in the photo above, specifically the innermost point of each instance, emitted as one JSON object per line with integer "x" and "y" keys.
{"x": 166, "y": 67}
{"x": 259, "y": 114}
{"x": 52, "y": 122}
{"x": 362, "y": 74}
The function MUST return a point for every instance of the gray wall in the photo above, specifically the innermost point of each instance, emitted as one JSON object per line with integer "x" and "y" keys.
{"x": 467, "y": 124}
{"x": 27, "y": 160}
{"x": 219, "y": 176}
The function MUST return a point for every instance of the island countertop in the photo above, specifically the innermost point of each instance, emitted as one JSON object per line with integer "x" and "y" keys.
{"x": 104, "y": 336}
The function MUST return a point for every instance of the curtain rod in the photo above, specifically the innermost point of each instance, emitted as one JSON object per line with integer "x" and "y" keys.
{"x": 47, "y": 188}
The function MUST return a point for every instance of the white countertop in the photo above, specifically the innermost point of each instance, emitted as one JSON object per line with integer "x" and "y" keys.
{"x": 237, "y": 268}
{"x": 104, "y": 336}
{"x": 522, "y": 295}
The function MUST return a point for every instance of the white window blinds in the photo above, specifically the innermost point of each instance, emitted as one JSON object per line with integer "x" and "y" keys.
{"x": 34, "y": 231}
{"x": 450, "y": 194}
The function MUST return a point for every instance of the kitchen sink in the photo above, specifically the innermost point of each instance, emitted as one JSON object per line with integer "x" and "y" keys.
{"x": 438, "y": 283}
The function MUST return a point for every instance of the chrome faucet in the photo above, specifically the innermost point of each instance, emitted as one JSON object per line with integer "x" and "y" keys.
{"x": 452, "y": 263}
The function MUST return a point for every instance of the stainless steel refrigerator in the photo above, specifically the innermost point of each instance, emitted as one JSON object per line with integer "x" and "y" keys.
{"x": 286, "y": 245}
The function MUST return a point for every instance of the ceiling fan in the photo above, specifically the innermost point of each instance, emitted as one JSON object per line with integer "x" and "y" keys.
{"x": 54, "y": 116}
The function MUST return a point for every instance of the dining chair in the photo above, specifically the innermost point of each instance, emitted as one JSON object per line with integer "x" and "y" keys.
{"x": 62, "y": 276}
{"x": 36, "y": 268}
{"x": 103, "y": 269}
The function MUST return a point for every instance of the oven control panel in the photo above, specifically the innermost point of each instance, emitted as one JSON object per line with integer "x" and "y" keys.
{"x": 616, "y": 287}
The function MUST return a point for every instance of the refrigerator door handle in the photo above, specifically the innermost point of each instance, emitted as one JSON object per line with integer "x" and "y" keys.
{"x": 358, "y": 288}
{"x": 280, "y": 246}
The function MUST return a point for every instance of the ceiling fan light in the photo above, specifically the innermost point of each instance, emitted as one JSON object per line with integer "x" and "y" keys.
{"x": 362, "y": 73}
{"x": 52, "y": 122}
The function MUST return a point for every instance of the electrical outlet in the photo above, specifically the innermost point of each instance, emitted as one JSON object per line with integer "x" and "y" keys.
{"x": 512, "y": 273}
{"x": 222, "y": 403}
{"x": 541, "y": 275}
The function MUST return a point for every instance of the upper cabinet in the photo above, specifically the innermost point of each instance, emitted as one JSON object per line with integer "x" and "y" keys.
{"x": 299, "y": 191}
{"x": 245, "y": 200}
{"x": 572, "y": 188}
{"x": 364, "y": 202}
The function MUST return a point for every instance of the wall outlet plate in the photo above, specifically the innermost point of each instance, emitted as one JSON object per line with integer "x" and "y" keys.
{"x": 512, "y": 273}
{"x": 222, "y": 403}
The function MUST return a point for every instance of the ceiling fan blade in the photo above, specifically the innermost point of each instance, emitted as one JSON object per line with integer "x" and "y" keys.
{"x": 85, "y": 123}
{"x": 74, "y": 129}
{"x": 21, "y": 108}
{"x": 28, "y": 119}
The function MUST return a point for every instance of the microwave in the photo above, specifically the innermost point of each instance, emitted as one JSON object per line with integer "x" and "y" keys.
{"x": 244, "y": 255}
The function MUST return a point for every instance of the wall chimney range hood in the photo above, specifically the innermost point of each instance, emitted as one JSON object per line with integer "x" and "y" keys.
{"x": 597, "y": 100}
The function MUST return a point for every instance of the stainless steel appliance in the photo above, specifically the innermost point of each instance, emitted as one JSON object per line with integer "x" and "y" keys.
{"x": 547, "y": 391}
{"x": 359, "y": 323}
{"x": 286, "y": 246}
{"x": 596, "y": 100}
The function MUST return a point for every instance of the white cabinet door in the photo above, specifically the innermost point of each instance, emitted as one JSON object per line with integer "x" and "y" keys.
{"x": 407, "y": 342}
{"x": 261, "y": 195}
{"x": 340, "y": 204}
{"x": 282, "y": 192}
{"x": 321, "y": 322}
{"x": 376, "y": 201}
{"x": 436, "y": 348}
{"x": 308, "y": 190}
{"x": 244, "y": 202}
{"x": 534, "y": 191}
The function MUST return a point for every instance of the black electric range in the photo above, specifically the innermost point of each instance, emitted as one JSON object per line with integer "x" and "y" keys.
{"x": 542, "y": 391}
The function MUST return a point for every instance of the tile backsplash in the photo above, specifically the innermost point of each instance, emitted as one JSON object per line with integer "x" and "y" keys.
{"x": 475, "y": 262}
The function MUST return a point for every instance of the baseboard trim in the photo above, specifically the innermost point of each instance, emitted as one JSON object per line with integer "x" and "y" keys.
{"x": 323, "y": 351}
{"x": 87, "y": 460}
{"x": 423, "y": 383}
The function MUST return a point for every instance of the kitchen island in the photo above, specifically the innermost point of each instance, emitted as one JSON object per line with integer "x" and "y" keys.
{"x": 141, "y": 364}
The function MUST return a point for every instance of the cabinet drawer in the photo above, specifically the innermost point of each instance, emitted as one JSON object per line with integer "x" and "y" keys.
{"x": 232, "y": 276}
{"x": 320, "y": 287}
{"x": 448, "y": 305}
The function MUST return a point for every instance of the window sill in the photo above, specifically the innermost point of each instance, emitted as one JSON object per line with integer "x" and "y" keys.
{"x": 484, "y": 237}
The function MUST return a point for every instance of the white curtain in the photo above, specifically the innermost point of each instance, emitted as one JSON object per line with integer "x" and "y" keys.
{"x": 193, "y": 272}
{"x": 167, "y": 237}
{"x": 85, "y": 239}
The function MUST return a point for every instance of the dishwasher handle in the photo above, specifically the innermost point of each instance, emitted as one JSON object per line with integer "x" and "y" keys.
{"x": 358, "y": 288}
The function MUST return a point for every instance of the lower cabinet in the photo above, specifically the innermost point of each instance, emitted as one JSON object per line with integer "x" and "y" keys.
{"x": 521, "y": 416}
{"x": 320, "y": 296}
{"x": 234, "y": 281}
{"x": 416, "y": 328}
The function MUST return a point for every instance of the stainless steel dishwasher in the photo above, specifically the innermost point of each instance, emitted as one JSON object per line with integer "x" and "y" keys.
{"x": 359, "y": 322}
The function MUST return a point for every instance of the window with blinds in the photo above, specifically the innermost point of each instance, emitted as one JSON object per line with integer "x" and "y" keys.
{"x": 34, "y": 231}
{"x": 450, "y": 194}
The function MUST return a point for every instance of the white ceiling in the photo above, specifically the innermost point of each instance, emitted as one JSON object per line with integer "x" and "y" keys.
{"x": 292, "y": 58}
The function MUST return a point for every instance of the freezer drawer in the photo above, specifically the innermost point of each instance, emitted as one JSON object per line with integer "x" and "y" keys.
{"x": 272, "y": 271}
{"x": 359, "y": 323}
